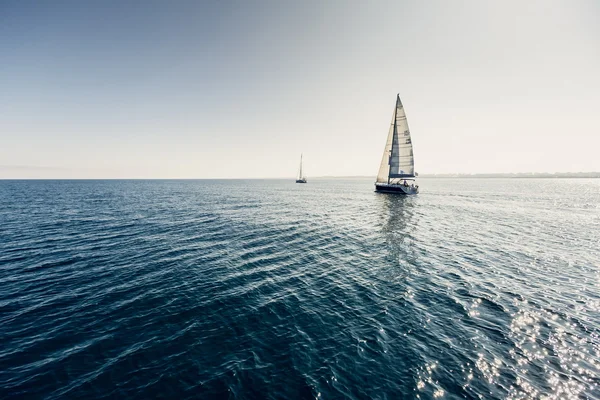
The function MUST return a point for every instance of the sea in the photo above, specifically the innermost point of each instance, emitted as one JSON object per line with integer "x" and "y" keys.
{"x": 267, "y": 289}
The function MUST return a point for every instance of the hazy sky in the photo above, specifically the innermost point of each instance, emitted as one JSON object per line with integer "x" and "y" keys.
{"x": 178, "y": 89}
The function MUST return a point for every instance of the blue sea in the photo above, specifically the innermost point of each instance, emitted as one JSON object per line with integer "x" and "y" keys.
{"x": 265, "y": 289}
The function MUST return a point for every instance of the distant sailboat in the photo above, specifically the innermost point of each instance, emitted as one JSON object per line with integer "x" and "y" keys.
{"x": 397, "y": 164}
{"x": 301, "y": 178}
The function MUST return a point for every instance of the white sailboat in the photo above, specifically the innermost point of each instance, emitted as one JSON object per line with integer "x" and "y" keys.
{"x": 301, "y": 178}
{"x": 397, "y": 170}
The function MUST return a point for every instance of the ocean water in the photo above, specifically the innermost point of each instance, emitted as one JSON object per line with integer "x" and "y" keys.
{"x": 257, "y": 289}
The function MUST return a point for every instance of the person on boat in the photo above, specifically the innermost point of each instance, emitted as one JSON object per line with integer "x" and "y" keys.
{"x": 405, "y": 184}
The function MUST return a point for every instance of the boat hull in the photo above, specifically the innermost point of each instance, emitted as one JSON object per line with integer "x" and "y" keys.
{"x": 300, "y": 180}
{"x": 396, "y": 189}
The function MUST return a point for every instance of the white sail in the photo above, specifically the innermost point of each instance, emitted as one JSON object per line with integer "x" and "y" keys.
{"x": 300, "y": 175}
{"x": 397, "y": 160}
{"x": 384, "y": 168}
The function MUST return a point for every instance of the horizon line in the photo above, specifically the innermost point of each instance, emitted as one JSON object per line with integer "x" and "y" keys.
{"x": 594, "y": 174}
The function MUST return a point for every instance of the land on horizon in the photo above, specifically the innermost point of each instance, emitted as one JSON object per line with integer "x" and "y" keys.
{"x": 520, "y": 175}
{"x": 492, "y": 175}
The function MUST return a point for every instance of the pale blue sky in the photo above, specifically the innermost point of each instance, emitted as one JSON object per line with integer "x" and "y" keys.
{"x": 144, "y": 89}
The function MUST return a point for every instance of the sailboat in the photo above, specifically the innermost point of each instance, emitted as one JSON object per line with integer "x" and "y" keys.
{"x": 397, "y": 170}
{"x": 301, "y": 178}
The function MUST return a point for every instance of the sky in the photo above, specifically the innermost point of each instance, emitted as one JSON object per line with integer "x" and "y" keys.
{"x": 239, "y": 89}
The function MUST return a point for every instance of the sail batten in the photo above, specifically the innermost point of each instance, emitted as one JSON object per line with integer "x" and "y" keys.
{"x": 397, "y": 160}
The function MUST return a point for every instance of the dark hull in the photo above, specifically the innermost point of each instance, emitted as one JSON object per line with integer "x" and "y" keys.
{"x": 396, "y": 189}
{"x": 300, "y": 181}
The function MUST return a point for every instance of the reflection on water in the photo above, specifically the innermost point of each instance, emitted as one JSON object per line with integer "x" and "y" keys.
{"x": 399, "y": 223}
{"x": 397, "y": 216}
{"x": 396, "y": 211}
{"x": 553, "y": 346}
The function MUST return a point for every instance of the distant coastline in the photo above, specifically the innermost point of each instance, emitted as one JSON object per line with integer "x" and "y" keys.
{"x": 518, "y": 175}
{"x": 495, "y": 175}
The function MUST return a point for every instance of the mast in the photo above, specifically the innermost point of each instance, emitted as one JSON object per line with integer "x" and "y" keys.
{"x": 300, "y": 177}
{"x": 394, "y": 136}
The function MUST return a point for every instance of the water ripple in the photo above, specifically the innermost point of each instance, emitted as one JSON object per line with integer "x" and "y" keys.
{"x": 267, "y": 289}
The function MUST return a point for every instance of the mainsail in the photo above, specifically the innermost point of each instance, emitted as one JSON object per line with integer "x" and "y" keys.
{"x": 300, "y": 176}
{"x": 397, "y": 160}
